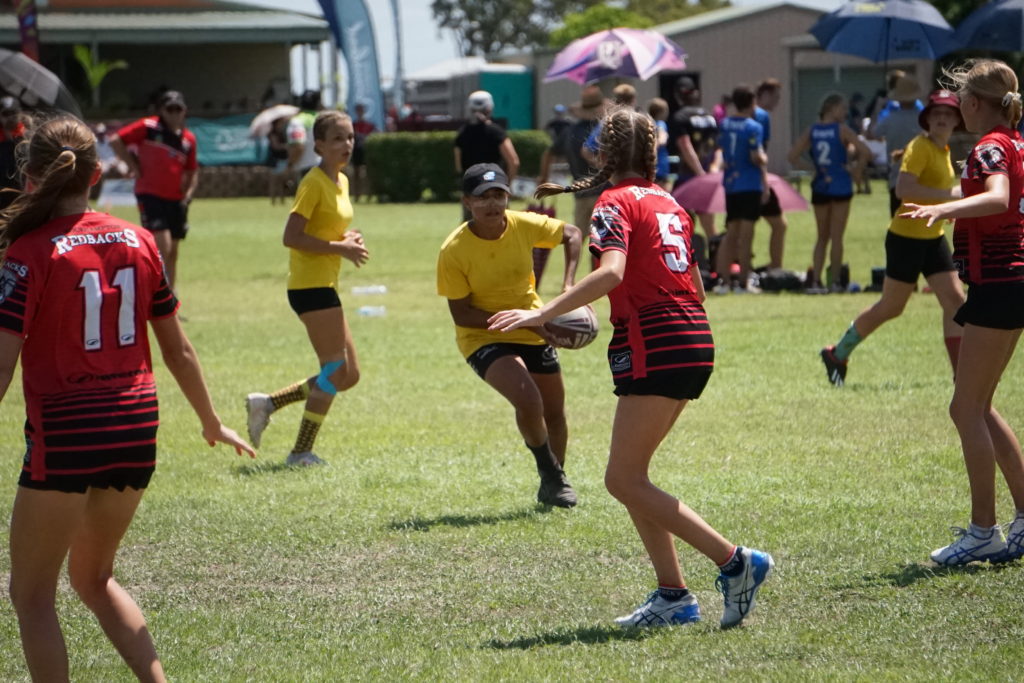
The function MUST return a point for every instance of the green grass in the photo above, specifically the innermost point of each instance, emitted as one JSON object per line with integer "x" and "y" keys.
{"x": 419, "y": 554}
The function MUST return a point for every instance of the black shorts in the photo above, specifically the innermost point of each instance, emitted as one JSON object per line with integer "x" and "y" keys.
{"x": 907, "y": 258}
{"x": 314, "y": 299}
{"x": 998, "y": 305}
{"x": 358, "y": 156}
{"x": 675, "y": 384}
{"x": 771, "y": 208}
{"x": 539, "y": 359}
{"x": 742, "y": 206}
{"x": 156, "y": 214}
{"x": 818, "y": 199}
{"x": 115, "y": 467}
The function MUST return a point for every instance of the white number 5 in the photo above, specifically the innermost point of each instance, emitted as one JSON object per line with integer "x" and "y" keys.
{"x": 674, "y": 249}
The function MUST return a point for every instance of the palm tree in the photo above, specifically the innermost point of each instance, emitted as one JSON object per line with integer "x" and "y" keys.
{"x": 96, "y": 69}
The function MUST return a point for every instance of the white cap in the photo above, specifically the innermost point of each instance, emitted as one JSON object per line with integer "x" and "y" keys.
{"x": 481, "y": 101}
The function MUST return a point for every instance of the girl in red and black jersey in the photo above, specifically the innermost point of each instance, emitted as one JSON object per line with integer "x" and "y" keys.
{"x": 661, "y": 356}
{"x": 988, "y": 251}
{"x": 77, "y": 288}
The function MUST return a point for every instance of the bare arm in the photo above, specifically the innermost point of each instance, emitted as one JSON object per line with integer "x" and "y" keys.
{"x": 995, "y": 199}
{"x": 688, "y": 155}
{"x": 595, "y": 285}
{"x": 458, "y": 161}
{"x": 572, "y": 239}
{"x": 181, "y": 360}
{"x": 189, "y": 182}
{"x": 296, "y": 237}
{"x": 465, "y": 314}
{"x": 909, "y": 188}
{"x": 121, "y": 150}
{"x": 797, "y": 151}
{"x": 511, "y": 159}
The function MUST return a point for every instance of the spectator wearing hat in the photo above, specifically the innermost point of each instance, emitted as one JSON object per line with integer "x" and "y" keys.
{"x": 694, "y": 134}
{"x": 898, "y": 128}
{"x": 481, "y": 141}
{"x": 12, "y": 132}
{"x": 587, "y": 112}
{"x": 623, "y": 95}
{"x": 302, "y": 154}
{"x": 160, "y": 153}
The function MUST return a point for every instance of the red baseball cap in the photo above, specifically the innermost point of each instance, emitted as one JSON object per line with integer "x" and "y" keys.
{"x": 939, "y": 98}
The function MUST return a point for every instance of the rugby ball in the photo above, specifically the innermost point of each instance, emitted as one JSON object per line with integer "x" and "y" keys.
{"x": 575, "y": 329}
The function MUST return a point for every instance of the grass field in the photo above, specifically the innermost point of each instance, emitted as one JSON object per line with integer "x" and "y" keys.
{"x": 419, "y": 554}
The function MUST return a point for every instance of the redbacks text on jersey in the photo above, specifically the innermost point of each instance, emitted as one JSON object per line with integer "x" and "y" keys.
{"x": 990, "y": 249}
{"x": 644, "y": 221}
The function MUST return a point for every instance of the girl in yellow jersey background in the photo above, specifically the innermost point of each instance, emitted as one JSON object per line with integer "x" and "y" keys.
{"x": 318, "y": 237}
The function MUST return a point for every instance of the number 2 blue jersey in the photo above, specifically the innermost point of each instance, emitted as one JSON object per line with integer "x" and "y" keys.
{"x": 828, "y": 153}
{"x": 739, "y": 137}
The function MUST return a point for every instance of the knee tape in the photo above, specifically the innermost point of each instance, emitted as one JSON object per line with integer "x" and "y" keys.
{"x": 323, "y": 380}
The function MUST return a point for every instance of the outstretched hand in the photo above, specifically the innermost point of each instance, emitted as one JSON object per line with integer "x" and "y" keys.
{"x": 931, "y": 212}
{"x": 228, "y": 436}
{"x": 506, "y": 321}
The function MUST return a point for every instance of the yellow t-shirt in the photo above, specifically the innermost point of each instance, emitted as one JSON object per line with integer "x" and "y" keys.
{"x": 933, "y": 168}
{"x": 496, "y": 274}
{"x": 328, "y": 212}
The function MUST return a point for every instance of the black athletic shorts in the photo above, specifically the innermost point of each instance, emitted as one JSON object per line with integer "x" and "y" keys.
{"x": 907, "y": 258}
{"x": 771, "y": 208}
{"x": 999, "y": 305}
{"x": 539, "y": 359}
{"x": 314, "y": 299}
{"x": 742, "y": 206}
{"x": 683, "y": 384}
{"x": 156, "y": 214}
{"x": 817, "y": 198}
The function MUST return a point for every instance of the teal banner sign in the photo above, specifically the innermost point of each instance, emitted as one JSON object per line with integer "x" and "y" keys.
{"x": 225, "y": 141}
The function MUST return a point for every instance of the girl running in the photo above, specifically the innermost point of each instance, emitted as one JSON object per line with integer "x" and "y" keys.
{"x": 661, "y": 356}
{"x": 832, "y": 186}
{"x": 988, "y": 250}
{"x": 76, "y": 289}
{"x": 485, "y": 265}
{"x": 912, "y": 248}
{"x": 318, "y": 236}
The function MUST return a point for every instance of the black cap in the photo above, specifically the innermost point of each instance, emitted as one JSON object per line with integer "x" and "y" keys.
{"x": 9, "y": 105}
{"x": 170, "y": 99}
{"x": 685, "y": 84}
{"x": 481, "y": 177}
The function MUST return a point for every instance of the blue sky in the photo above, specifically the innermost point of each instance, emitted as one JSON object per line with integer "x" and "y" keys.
{"x": 422, "y": 44}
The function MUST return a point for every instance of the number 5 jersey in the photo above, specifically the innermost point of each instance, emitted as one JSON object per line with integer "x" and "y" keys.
{"x": 79, "y": 291}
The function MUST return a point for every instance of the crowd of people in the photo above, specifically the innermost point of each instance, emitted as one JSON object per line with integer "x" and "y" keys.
{"x": 62, "y": 261}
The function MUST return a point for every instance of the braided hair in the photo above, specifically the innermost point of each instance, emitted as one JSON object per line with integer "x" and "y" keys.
{"x": 628, "y": 143}
{"x": 61, "y": 162}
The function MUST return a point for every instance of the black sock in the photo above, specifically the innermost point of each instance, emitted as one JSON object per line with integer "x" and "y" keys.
{"x": 673, "y": 593}
{"x": 735, "y": 564}
{"x": 546, "y": 462}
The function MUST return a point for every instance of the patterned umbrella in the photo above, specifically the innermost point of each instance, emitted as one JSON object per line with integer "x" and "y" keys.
{"x": 617, "y": 52}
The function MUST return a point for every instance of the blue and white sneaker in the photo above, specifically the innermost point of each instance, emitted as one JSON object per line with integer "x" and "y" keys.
{"x": 740, "y": 591}
{"x": 658, "y": 611}
{"x": 971, "y": 545}
{"x": 1015, "y": 538}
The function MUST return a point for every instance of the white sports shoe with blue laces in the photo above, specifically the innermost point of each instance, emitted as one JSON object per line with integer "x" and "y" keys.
{"x": 971, "y": 545}
{"x": 658, "y": 611}
{"x": 740, "y": 591}
{"x": 258, "y": 408}
{"x": 1015, "y": 538}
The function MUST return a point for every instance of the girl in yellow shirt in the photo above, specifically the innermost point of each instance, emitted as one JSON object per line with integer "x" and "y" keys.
{"x": 318, "y": 237}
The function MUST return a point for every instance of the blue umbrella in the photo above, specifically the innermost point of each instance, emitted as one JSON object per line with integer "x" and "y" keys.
{"x": 886, "y": 30}
{"x": 996, "y": 25}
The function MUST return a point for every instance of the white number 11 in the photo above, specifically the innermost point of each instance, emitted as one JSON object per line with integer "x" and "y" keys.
{"x": 92, "y": 294}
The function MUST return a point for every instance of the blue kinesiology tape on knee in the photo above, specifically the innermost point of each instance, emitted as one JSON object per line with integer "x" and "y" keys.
{"x": 323, "y": 380}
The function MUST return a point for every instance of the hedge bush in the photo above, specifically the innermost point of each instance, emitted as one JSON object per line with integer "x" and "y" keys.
{"x": 401, "y": 166}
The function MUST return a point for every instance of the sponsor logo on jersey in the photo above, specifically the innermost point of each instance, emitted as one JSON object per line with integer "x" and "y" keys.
{"x": 621, "y": 362}
{"x": 66, "y": 243}
{"x": 84, "y": 377}
{"x": 12, "y": 270}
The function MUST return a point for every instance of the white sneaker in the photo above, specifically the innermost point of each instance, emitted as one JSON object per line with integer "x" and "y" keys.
{"x": 258, "y": 407}
{"x": 740, "y": 591}
{"x": 304, "y": 459}
{"x": 1015, "y": 538}
{"x": 658, "y": 611}
{"x": 972, "y": 544}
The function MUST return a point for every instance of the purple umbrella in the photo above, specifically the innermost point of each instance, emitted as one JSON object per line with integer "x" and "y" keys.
{"x": 617, "y": 52}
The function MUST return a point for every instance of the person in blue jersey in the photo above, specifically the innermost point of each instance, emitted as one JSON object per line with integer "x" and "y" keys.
{"x": 745, "y": 177}
{"x": 766, "y": 98}
{"x": 832, "y": 186}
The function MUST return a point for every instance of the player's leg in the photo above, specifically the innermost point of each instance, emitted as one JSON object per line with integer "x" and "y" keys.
{"x": 43, "y": 524}
{"x": 107, "y": 514}
{"x": 552, "y": 394}
{"x": 837, "y": 228}
{"x": 744, "y": 250}
{"x": 707, "y": 224}
{"x": 822, "y": 223}
{"x": 165, "y": 244}
{"x": 942, "y": 278}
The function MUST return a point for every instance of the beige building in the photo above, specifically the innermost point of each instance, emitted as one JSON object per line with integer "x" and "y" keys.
{"x": 745, "y": 45}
